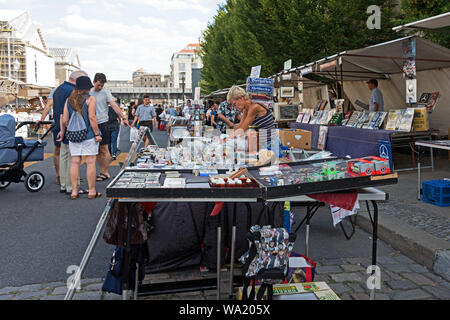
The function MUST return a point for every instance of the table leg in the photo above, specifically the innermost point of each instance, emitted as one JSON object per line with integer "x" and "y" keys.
{"x": 307, "y": 231}
{"x": 432, "y": 159}
{"x": 233, "y": 249}
{"x": 374, "y": 242}
{"x": 127, "y": 255}
{"x": 418, "y": 176}
{"x": 219, "y": 255}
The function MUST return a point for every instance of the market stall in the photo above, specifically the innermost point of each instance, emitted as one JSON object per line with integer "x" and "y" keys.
{"x": 181, "y": 201}
{"x": 412, "y": 74}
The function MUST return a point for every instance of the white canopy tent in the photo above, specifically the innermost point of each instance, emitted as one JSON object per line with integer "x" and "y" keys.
{"x": 385, "y": 62}
{"x": 429, "y": 24}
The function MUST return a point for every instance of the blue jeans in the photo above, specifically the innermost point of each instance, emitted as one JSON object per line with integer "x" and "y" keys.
{"x": 114, "y": 136}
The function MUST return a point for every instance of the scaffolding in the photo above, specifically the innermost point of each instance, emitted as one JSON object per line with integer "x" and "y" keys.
{"x": 12, "y": 55}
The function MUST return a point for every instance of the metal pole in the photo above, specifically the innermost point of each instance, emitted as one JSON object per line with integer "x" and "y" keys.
{"x": 233, "y": 249}
{"x": 219, "y": 254}
{"x": 89, "y": 250}
{"x": 9, "y": 56}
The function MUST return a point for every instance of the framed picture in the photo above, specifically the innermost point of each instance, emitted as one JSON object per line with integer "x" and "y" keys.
{"x": 287, "y": 92}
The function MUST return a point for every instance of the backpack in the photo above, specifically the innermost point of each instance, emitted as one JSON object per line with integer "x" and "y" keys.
{"x": 267, "y": 260}
{"x": 76, "y": 130}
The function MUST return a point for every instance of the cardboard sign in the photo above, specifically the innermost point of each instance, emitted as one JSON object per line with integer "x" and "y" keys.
{"x": 296, "y": 138}
{"x": 420, "y": 122}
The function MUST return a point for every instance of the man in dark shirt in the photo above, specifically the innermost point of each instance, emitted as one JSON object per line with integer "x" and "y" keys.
{"x": 158, "y": 110}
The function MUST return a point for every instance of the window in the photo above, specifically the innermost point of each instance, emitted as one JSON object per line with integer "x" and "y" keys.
{"x": 182, "y": 67}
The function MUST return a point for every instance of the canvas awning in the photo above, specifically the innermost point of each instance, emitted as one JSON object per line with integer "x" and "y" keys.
{"x": 378, "y": 61}
{"x": 429, "y": 24}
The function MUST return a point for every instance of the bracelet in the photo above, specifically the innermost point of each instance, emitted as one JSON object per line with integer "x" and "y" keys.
{"x": 97, "y": 135}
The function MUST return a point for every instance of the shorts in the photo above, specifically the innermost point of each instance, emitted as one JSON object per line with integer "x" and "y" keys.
{"x": 105, "y": 131}
{"x": 148, "y": 124}
{"x": 85, "y": 148}
{"x": 55, "y": 132}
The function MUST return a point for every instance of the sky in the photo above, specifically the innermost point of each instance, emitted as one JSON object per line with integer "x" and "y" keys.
{"x": 117, "y": 37}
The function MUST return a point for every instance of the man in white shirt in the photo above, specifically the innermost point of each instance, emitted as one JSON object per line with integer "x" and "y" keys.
{"x": 187, "y": 110}
{"x": 105, "y": 100}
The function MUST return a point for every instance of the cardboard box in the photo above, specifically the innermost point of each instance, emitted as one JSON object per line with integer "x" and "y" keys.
{"x": 299, "y": 291}
{"x": 296, "y": 138}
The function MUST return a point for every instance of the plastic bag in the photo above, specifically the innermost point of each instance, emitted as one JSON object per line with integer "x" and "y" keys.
{"x": 133, "y": 134}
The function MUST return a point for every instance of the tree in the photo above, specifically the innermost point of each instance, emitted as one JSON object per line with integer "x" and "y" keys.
{"x": 247, "y": 33}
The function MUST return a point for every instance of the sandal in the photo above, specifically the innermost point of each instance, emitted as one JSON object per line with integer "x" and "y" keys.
{"x": 82, "y": 191}
{"x": 97, "y": 195}
{"x": 72, "y": 197}
{"x": 102, "y": 177}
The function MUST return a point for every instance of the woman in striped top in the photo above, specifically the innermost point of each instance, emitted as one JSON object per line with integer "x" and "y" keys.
{"x": 254, "y": 114}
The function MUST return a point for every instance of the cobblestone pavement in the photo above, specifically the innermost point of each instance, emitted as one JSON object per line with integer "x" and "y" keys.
{"x": 401, "y": 279}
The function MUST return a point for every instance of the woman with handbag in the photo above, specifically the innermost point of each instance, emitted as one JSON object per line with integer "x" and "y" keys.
{"x": 85, "y": 140}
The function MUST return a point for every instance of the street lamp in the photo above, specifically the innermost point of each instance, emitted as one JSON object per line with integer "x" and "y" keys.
{"x": 16, "y": 67}
{"x": 182, "y": 78}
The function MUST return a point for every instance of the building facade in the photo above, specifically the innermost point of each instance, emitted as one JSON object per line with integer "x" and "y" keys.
{"x": 24, "y": 54}
{"x": 182, "y": 64}
{"x": 66, "y": 62}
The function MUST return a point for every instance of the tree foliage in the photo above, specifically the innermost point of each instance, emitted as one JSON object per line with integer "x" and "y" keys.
{"x": 247, "y": 33}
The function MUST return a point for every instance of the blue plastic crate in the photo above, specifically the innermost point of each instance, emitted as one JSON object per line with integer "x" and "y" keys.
{"x": 436, "y": 192}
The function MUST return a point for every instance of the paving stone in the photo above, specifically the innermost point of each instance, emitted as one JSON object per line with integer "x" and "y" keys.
{"x": 401, "y": 284}
{"x": 53, "y": 285}
{"x": 94, "y": 287}
{"x": 345, "y": 296}
{"x": 328, "y": 269}
{"x": 403, "y": 259}
{"x": 31, "y": 294}
{"x": 332, "y": 262}
{"x": 396, "y": 267}
{"x": 434, "y": 277}
{"x": 416, "y": 294}
{"x": 339, "y": 288}
{"x": 111, "y": 296}
{"x": 418, "y": 279}
{"x": 381, "y": 296}
{"x": 360, "y": 296}
{"x": 386, "y": 260}
{"x": 58, "y": 297}
{"x": 364, "y": 262}
{"x": 415, "y": 267}
{"x": 59, "y": 290}
{"x": 321, "y": 278}
{"x": 85, "y": 282}
{"x": 352, "y": 267}
{"x": 9, "y": 290}
{"x": 92, "y": 295}
{"x": 385, "y": 274}
{"x": 357, "y": 288}
{"x": 346, "y": 277}
{"x": 439, "y": 292}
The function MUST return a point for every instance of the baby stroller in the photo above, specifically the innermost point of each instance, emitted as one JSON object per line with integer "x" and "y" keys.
{"x": 15, "y": 151}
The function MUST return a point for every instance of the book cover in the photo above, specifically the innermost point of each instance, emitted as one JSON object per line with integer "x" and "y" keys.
{"x": 434, "y": 98}
{"x": 324, "y": 118}
{"x": 420, "y": 122}
{"x": 373, "y": 120}
{"x": 354, "y": 117}
{"x": 306, "y": 118}
{"x": 300, "y": 117}
{"x": 399, "y": 118}
{"x": 407, "y": 120}
{"x": 392, "y": 120}
{"x": 368, "y": 120}
{"x": 380, "y": 120}
{"x": 362, "y": 118}
{"x": 323, "y": 133}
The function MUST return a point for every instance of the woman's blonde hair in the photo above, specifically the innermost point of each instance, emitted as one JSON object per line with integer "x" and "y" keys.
{"x": 235, "y": 93}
